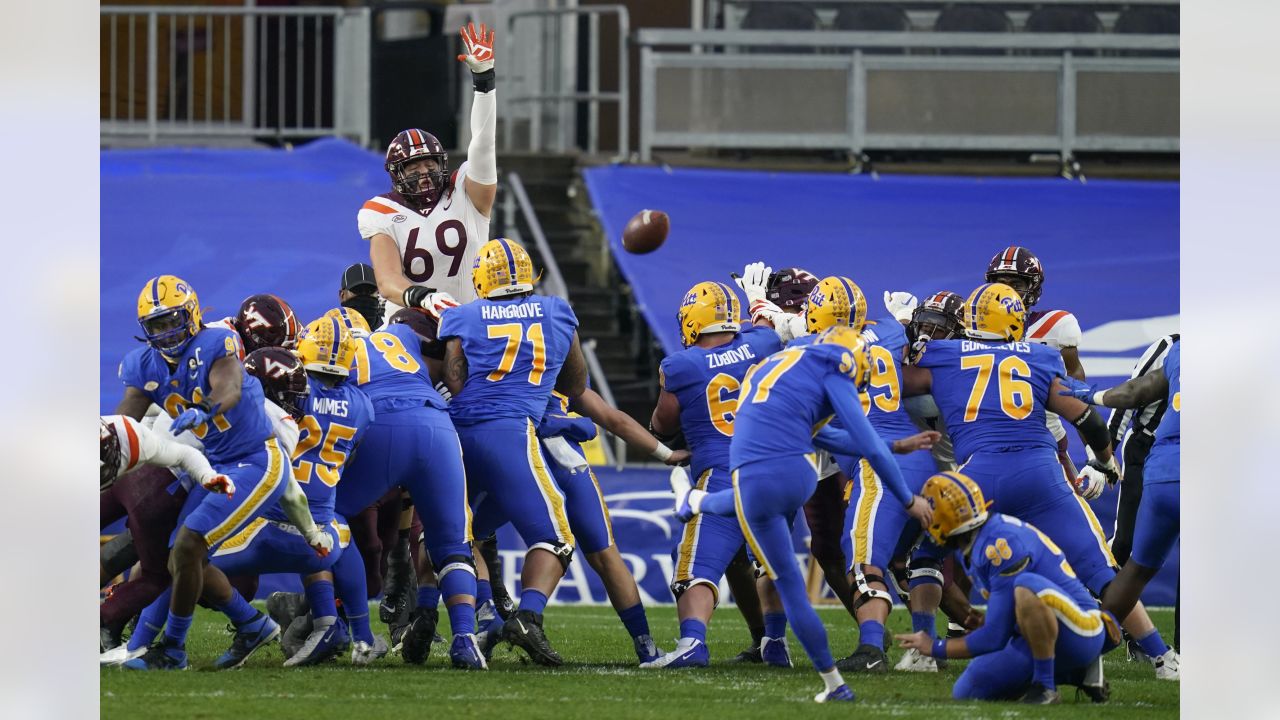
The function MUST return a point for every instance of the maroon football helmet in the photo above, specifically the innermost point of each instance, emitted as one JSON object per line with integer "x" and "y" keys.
{"x": 283, "y": 378}
{"x": 425, "y": 327}
{"x": 410, "y": 145}
{"x": 1020, "y": 269}
{"x": 939, "y": 317}
{"x": 790, "y": 287}
{"x": 266, "y": 321}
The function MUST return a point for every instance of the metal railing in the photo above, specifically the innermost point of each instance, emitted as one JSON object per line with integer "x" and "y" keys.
{"x": 553, "y": 79}
{"x": 859, "y": 100}
{"x": 518, "y": 198}
{"x": 235, "y": 71}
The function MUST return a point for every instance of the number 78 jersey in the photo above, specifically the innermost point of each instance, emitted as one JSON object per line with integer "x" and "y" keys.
{"x": 437, "y": 249}
{"x": 993, "y": 396}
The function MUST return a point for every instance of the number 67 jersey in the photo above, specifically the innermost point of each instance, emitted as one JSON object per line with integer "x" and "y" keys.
{"x": 438, "y": 247}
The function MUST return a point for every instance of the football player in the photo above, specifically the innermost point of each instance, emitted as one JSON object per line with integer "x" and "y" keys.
{"x": 425, "y": 235}
{"x": 782, "y": 400}
{"x": 1041, "y": 622}
{"x": 1157, "y": 524}
{"x": 699, "y": 397}
{"x": 993, "y": 390}
{"x": 264, "y": 321}
{"x": 412, "y": 444}
{"x": 505, "y": 353}
{"x": 195, "y": 374}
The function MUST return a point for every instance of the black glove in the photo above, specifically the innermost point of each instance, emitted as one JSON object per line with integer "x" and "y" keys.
{"x": 414, "y": 295}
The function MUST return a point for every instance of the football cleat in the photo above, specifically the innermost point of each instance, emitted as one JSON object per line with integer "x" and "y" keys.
{"x": 688, "y": 653}
{"x": 1167, "y": 666}
{"x": 362, "y": 653}
{"x": 415, "y": 644}
{"x": 324, "y": 643}
{"x": 867, "y": 658}
{"x": 109, "y": 637}
{"x": 119, "y": 655}
{"x": 283, "y": 607}
{"x": 840, "y": 694}
{"x": 466, "y": 654}
{"x": 259, "y": 631}
{"x": 486, "y": 616}
{"x": 401, "y": 584}
{"x": 524, "y": 630}
{"x": 774, "y": 652}
{"x": 163, "y": 655}
{"x": 646, "y": 649}
{"x": 295, "y": 634}
{"x": 1038, "y": 694}
{"x": 914, "y": 661}
{"x": 750, "y": 655}
{"x": 1095, "y": 685}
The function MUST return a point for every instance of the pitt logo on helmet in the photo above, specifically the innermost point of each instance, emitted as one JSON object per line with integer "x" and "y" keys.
{"x": 958, "y": 505}
{"x": 994, "y": 312}
{"x": 835, "y": 301}
{"x": 502, "y": 268}
{"x": 326, "y": 346}
{"x": 856, "y": 363}
{"x": 169, "y": 313}
{"x": 708, "y": 307}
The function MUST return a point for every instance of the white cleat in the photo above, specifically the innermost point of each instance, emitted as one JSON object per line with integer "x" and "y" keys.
{"x": 362, "y": 653}
{"x": 120, "y": 655}
{"x": 914, "y": 661}
{"x": 1167, "y": 666}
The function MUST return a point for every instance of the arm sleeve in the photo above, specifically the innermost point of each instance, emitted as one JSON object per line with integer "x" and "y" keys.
{"x": 482, "y": 154}
{"x": 154, "y": 448}
{"x": 283, "y": 426}
{"x": 841, "y": 392}
{"x": 997, "y": 628}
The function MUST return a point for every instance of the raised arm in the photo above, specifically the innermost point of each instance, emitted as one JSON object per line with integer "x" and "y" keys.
{"x": 481, "y": 183}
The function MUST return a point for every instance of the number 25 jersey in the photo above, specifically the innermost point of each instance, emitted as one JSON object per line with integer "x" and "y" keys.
{"x": 993, "y": 397}
{"x": 514, "y": 350}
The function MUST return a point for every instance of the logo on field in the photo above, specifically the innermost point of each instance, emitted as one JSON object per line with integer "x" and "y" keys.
{"x": 399, "y": 218}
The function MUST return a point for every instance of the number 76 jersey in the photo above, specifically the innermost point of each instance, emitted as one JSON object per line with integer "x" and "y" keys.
{"x": 438, "y": 248}
{"x": 993, "y": 396}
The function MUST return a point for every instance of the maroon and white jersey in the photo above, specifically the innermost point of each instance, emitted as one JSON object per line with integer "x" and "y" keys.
{"x": 437, "y": 246}
{"x": 1057, "y": 329}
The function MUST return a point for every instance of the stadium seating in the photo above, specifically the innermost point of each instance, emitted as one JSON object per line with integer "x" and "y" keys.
{"x": 975, "y": 19}
{"x": 873, "y": 17}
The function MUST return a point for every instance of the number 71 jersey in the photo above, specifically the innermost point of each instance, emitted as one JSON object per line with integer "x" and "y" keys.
{"x": 437, "y": 248}
{"x": 993, "y": 396}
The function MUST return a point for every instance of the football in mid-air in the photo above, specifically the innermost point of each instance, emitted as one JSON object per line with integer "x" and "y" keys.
{"x": 646, "y": 231}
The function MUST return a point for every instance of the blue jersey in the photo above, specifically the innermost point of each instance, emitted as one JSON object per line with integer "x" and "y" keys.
{"x": 887, "y": 341}
{"x": 514, "y": 352}
{"x": 1170, "y": 430}
{"x": 229, "y": 435}
{"x": 706, "y": 381}
{"x": 330, "y": 431}
{"x": 992, "y": 396}
{"x": 390, "y": 370}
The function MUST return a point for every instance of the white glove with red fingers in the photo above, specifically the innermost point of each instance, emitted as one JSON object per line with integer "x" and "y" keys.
{"x": 900, "y": 305}
{"x": 1095, "y": 477}
{"x": 479, "y": 47}
{"x": 219, "y": 483}
{"x": 437, "y": 302}
{"x": 320, "y": 541}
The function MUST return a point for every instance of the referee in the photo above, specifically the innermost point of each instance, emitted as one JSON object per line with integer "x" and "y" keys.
{"x": 1137, "y": 444}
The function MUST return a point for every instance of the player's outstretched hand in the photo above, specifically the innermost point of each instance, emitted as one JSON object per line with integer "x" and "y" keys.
{"x": 1078, "y": 389}
{"x": 678, "y": 457}
{"x": 921, "y": 510}
{"x": 479, "y": 48}
{"x": 320, "y": 541}
{"x": 220, "y": 484}
{"x": 919, "y": 441}
{"x": 189, "y": 418}
{"x": 919, "y": 641}
{"x": 900, "y": 305}
{"x": 754, "y": 281}
{"x": 437, "y": 302}
{"x": 1090, "y": 483}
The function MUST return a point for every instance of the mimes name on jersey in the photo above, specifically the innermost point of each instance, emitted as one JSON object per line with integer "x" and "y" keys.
{"x": 329, "y": 406}
{"x": 510, "y": 312}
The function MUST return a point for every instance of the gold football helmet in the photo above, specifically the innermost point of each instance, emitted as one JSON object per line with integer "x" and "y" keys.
{"x": 708, "y": 307}
{"x": 995, "y": 311}
{"x": 502, "y": 268}
{"x": 958, "y": 505}
{"x": 835, "y": 301}
{"x": 857, "y": 361}
{"x": 169, "y": 313}
{"x": 353, "y": 321}
{"x": 326, "y": 346}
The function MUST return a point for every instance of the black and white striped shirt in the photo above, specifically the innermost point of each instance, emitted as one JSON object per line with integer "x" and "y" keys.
{"x": 1144, "y": 419}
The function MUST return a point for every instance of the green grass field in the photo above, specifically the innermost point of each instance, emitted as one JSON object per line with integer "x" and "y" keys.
{"x": 600, "y": 680}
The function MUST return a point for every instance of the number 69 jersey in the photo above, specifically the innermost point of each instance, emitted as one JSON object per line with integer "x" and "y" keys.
{"x": 993, "y": 396}
{"x": 438, "y": 247}
{"x": 514, "y": 350}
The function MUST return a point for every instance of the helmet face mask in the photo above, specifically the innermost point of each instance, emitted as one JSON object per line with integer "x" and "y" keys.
{"x": 169, "y": 314}
{"x": 939, "y": 317}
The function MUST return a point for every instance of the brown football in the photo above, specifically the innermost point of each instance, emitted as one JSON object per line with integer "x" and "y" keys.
{"x": 646, "y": 231}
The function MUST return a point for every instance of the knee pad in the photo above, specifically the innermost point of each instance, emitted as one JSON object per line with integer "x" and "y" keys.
{"x": 562, "y": 551}
{"x": 119, "y": 554}
{"x": 455, "y": 562}
{"x": 923, "y": 571}
{"x": 682, "y": 586}
{"x": 866, "y": 593}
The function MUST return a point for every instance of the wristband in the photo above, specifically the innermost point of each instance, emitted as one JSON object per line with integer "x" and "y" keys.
{"x": 484, "y": 81}
{"x": 939, "y": 651}
{"x": 1097, "y": 397}
{"x": 662, "y": 452}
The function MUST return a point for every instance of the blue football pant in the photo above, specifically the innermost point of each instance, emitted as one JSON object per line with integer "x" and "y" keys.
{"x": 768, "y": 493}
{"x": 877, "y": 527}
{"x": 266, "y": 546}
{"x": 259, "y": 481}
{"x": 510, "y": 481}
{"x": 707, "y": 544}
{"x": 1158, "y": 524}
{"x": 584, "y": 503}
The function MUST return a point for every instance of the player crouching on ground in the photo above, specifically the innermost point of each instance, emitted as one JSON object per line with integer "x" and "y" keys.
{"x": 1041, "y": 625}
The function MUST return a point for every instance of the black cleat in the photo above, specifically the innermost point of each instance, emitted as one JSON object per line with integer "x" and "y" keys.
{"x": 750, "y": 655}
{"x": 110, "y": 637}
{"x": 1094, "y": 685}
{"x": 283, "y": 607}
{"x": 1038, "y": 694}
{"x": 867, "y": 658}
{"x": 524, "y": 630}
{"x": 421, "y": 632}
{"x": 401, "y": 584}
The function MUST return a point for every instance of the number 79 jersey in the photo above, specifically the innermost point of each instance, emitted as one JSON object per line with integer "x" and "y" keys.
{"x": 993, "y": 396}
{"x": 514, "y": 350}
{"x": 438, "y": 248}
